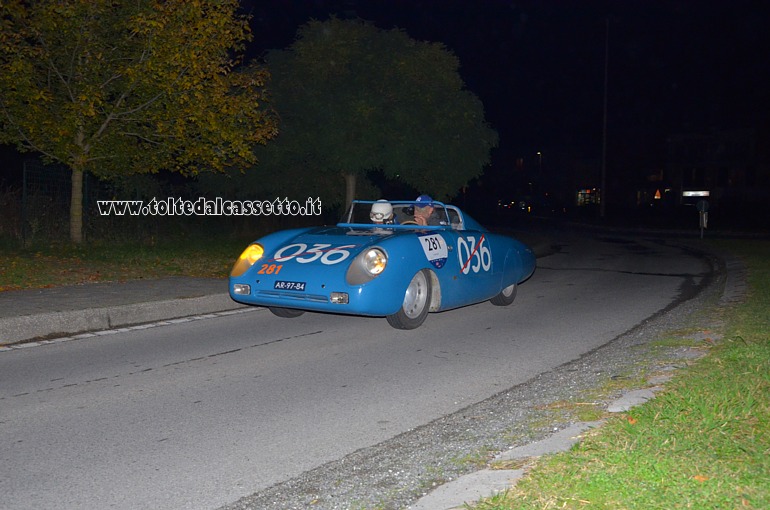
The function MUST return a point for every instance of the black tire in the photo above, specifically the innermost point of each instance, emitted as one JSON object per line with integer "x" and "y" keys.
{"x": 286, "y": 313}
{"x": 506, "y": 296}
{"x": 416, "y": 303}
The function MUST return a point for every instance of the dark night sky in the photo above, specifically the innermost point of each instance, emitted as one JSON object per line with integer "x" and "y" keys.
{"x": 538, "y": 67}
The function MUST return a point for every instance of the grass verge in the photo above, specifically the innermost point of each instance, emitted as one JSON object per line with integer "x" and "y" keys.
{"x": 702, "y": 443}
{"x": 65, "y": 264}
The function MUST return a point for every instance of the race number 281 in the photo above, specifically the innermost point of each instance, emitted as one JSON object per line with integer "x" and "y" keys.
{"x": 433, "y": 246}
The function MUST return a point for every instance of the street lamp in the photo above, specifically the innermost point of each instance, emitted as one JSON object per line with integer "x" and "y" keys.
{"x": 540, "y": 161}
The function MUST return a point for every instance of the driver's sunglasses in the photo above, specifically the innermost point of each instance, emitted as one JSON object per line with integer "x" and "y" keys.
{"x": 377, "y": 216}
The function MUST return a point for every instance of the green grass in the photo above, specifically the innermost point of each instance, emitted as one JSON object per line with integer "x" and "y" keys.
{"x": 702, "y": 443}
{"x": 129, "y": 248}
{"x": 63, "y": 264}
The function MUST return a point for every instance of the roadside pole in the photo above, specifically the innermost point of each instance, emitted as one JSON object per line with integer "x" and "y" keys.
{"x": 703, "y": 215}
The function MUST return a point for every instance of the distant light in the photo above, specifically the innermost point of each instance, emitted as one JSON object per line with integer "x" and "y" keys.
{"x": 702, "y": 193}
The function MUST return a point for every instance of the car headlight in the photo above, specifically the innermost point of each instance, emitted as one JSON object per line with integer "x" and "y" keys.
{"x": 367, "y": 266}
{"x": 374, "y": 261}
{"x": 247, "y": 259}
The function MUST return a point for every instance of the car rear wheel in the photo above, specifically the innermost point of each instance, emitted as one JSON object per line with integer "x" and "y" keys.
{"x": 286, "y": 313}
{"x": 506, "y": 296}
{"x": 416, "y": 304}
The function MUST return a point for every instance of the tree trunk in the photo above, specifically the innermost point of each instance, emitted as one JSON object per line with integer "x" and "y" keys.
{"x": 76, "y": 207}
{"x": 350, "y": 190}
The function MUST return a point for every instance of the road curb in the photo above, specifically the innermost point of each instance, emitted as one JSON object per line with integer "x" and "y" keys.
{"x": 63, "y": 323}
{"x": 487, "y": 482}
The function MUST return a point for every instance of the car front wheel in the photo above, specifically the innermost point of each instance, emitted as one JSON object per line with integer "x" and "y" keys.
{"x": 416, "y": 303}
{"x": 506, "y": 296}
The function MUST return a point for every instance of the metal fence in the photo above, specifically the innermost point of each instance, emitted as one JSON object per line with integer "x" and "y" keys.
{"x": 45, "y": 201}
{"x": 38, "y": 211}
{"x": 44, "y": 213}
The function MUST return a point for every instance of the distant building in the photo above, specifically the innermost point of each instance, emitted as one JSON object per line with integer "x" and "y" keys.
{"x": 729, "y": 165}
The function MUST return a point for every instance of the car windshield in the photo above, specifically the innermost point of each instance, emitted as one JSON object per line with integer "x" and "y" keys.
{"x": 371, "y": 213}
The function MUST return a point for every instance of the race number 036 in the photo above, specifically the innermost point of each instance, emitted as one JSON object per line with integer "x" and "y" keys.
{"x": 473, "y": 257}
{"x": 319, "y": 251}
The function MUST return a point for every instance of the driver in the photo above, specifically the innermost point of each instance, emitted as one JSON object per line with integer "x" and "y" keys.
{"x": 424, "y": 211}
{"x": 382, "y": 212}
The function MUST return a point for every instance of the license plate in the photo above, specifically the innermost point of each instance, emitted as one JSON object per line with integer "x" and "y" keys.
{"x": 284, "y": 285}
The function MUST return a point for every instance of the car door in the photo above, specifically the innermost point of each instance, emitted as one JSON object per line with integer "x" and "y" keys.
{"x": 462, "y": 260}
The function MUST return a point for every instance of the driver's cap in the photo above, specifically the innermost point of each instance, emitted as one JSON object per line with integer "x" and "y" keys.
{"x": 424, "y": 201}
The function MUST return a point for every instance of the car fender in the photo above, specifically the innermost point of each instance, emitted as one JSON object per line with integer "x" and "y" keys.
{"x": 519, "y": 265}
{"x": 405, "y": 259}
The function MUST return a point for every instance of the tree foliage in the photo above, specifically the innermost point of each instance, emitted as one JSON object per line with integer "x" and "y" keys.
{"x": 354, "y": 98}
{"x": 117, "y": 87}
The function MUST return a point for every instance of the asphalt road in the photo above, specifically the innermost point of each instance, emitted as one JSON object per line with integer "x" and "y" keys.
{"x": 199, "y": 414}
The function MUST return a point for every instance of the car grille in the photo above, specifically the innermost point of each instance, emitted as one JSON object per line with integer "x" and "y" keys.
{"x": 294, "y": 296}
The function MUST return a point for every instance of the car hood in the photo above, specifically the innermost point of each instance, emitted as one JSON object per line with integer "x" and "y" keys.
{"x": 345, "y": 235}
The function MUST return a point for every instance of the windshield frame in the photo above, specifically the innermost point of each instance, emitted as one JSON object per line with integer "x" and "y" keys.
{"x": 354, "y": 214}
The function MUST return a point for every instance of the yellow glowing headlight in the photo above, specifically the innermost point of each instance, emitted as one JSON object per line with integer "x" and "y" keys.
{"x": 247, "y": 259}
{"x": 375, "y": 261}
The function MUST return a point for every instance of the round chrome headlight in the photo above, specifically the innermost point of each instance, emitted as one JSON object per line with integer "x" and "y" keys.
{"x": 374, "y": 261}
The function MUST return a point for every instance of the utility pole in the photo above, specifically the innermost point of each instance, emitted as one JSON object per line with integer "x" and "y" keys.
{"x": 603, "y": 195}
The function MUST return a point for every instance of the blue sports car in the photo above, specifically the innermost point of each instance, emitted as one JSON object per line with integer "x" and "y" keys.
{"x": 393, "y": 259}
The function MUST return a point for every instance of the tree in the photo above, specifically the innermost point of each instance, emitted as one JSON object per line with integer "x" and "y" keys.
{"x": 117, "y": 87}
{"x": 354, "y": 98}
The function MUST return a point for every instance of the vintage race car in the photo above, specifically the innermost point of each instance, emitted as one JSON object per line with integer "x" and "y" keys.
{"x": 399, "y": 270}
